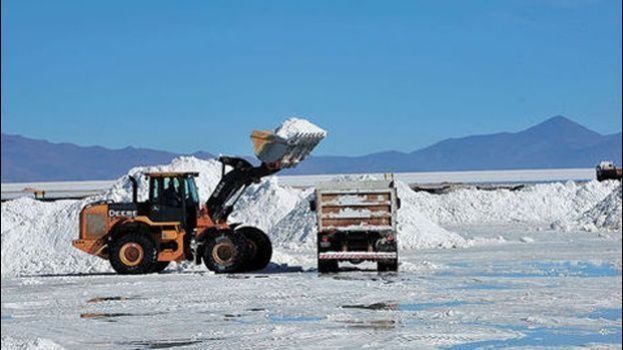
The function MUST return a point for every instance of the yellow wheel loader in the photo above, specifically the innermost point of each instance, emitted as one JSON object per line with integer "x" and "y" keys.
{"x": 172, "y": 225}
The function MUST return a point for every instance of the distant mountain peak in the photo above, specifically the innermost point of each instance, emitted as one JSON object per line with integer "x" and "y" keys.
{"x": 558, "y": 125}
{"x": 558, "y": 120}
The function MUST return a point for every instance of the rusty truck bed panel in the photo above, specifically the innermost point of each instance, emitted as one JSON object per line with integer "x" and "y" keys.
{"x": 356, "y": 206}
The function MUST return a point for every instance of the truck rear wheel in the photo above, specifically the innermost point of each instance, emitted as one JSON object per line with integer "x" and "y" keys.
{"x": 225, "y": 252}
{"x": 133, "y": 253}
{"x": 326, "y": 266}
{"x": 387, "y": 265}
{"x": 260, "y": 248}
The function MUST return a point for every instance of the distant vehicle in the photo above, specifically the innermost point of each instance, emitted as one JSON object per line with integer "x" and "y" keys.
{"x": 606, "y": 170}
{"x": 357, "y": 222}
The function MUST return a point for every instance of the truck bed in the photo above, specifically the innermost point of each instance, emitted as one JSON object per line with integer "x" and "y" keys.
{"x": 357, "y": 222}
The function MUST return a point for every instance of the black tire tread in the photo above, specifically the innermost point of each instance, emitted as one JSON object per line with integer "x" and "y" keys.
{"x": 387, "y": 266}
{"x": 238, "y": 240}
{"x": 264, "y": 249}
{"x": 327, "y": 266}
{"x": 149, "y": 251}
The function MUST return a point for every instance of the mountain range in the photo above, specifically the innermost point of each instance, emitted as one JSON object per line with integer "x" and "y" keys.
{"x": 557, "y": 142}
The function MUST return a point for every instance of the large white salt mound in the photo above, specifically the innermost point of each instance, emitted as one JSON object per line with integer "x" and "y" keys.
{"x": 297, "y": 126}
{"x": 263, "y": 205}
{"x": 605, "y": 216}
{"x": 209, "y": 176}
{"x": 298, "y": 229}
{"x": 538, "y": 204}
{"x": 415, "y": 230}
{"x": 36, "y": 239}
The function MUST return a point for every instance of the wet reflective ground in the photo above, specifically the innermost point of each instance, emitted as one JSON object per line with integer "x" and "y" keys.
{"x": 555, "y": 293}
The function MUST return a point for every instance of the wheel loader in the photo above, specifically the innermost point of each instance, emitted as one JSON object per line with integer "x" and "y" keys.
{"x": 171, "y": 225}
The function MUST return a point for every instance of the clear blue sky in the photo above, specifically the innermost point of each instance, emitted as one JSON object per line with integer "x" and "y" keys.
{"x": 379, "y": 75}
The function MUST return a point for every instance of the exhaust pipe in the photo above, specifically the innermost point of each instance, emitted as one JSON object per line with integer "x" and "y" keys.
{"x": 134, "y": 189}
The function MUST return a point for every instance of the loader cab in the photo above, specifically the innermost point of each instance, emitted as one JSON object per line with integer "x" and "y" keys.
{"x": 173, "y": 197}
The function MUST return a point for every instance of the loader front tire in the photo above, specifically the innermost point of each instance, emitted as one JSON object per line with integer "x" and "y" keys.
{"x": 225, "y": 252}
{"x": 132, "y": 254}
{"x": 260, "y": 248}
{"x": 159, "y": 266}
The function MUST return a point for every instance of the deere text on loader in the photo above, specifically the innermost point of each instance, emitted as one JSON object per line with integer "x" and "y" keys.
{"x": 171, "y": 225}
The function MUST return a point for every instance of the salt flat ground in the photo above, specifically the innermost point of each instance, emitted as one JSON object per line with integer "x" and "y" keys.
{"x": 526, "y": 289}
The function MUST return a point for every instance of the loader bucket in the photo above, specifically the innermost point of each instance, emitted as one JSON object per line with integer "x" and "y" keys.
{"x": 286, "y": 153}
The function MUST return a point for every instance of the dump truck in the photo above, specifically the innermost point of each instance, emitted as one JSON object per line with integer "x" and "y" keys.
{"x": 140, "y": 237}
{"x": 606, "y": 170}
{"x": 356, "y": 222}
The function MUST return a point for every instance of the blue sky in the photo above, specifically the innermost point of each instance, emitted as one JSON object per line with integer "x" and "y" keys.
{"x": 379, "y": 75}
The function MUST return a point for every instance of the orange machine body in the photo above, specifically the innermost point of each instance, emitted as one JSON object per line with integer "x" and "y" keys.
{"x": 98, "y": 224}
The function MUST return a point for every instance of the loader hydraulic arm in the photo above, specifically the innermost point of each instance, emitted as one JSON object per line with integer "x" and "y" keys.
{"x": 232, "y": 185}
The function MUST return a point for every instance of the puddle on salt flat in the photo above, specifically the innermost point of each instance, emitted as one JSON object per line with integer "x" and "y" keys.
{"x": 485, "y": 286}
{"x": 6, "y": 317}
{"x": 104, "y": 316}
{"x": 424, "y": 306}
{"x": 109, "y": 317}
{"x": 245, "y": 277}
{"x": 235, "y": 318}
{"x": 255, "y": 309}
{"x": 370, "y": 324}
{"x": 104, "y": 299}
{"x": 383, "y": 277}
{"x": 606, "y": 314}
{"x": 405, "y": 306}
{"x": 584, "y": 269}
{"x": 167, "y": 343}
{"x": 549, "y": 337}
{"x": 290, "y": 318}
{"x": 375, "y": 306}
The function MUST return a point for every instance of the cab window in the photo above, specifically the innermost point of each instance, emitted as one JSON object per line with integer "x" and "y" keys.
{"x": 191, "y": 190}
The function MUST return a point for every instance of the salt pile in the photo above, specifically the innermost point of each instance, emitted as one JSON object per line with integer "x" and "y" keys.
{"x": 265, "y": 204}
{"x": 36, "y": 239}
{"x": 415, "y": 230}
{"x": 209, "y": 176}
{"x": 296, "y": 126}
{"x": 537, "y": 205}
{"x": 605, "y": 216}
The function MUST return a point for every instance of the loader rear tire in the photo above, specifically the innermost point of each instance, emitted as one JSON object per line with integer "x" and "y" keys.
{"x": 132, "y": 254}
{"x": 225, "y": 252}
{"x": 260, "y": 248}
